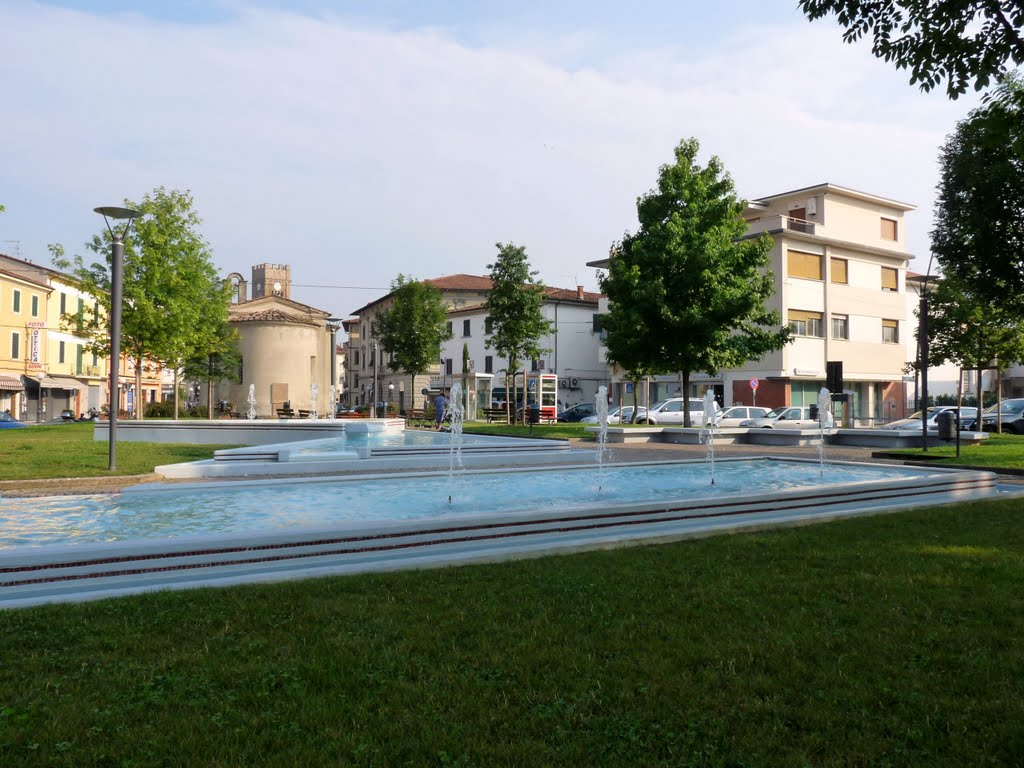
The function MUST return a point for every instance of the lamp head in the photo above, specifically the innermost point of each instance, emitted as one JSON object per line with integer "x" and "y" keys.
{"x": 115, "y": 212}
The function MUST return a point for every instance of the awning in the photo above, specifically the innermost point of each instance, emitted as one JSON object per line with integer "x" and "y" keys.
{"x": 10, "y": 383}
{"x": 61, "y": 382}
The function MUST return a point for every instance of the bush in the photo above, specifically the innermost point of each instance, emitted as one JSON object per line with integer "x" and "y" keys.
{"x": 159, "y": 410}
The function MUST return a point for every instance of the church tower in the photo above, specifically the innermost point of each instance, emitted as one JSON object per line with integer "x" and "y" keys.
{"x": 271, "y": 280}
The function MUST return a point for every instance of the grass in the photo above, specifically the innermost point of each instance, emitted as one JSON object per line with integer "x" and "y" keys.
{"x": 885, "y": 641}
{"x": 68, "y": 450}
{"x": 997, "y": 451}
{"x": 557, "y": 431}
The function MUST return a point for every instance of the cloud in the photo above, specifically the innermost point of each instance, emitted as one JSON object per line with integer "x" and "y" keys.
{"x": 354, "y": 152}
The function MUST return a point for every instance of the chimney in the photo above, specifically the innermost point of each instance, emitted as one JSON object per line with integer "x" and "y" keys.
{"x": 579, "y": 293}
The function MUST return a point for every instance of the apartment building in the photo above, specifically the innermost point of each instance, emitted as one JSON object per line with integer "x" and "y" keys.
{"x": 839, "y": 262}
{"x": 370, "y": 377}
{"x": 572, "y": 349}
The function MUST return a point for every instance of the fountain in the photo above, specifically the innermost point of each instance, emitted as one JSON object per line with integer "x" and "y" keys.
{"x": 707, "y": 432}
{"x": 456, "y": 415}
{"x": 826, "y": 422}
{"x": 334, "y": 403}
{"x": 601, "y": 406}
{"x": 314, "y": 393}
{"x": 251, "y": 414}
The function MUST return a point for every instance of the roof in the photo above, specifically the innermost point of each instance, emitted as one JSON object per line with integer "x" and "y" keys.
{"x": 478, "y": 283}
{"x": 837, "y": 189}
{"x": 276, "y": 309}
{"x": 22, "y": 278}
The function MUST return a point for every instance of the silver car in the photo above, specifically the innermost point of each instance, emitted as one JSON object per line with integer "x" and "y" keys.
{"x": 621, "y": 415}
{"x": 733, "y": 417}
{"x": 784, "y": 417}
{"x": 670, "y": 412}
{"x": 968, "y": 416}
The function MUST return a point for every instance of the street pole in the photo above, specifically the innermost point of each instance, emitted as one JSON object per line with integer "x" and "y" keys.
{"x": 116, "y": 280}
{"x": 922, "y": 333}
{"x": 376, "y": 363}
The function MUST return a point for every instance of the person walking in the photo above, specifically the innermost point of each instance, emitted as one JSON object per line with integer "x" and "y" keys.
{"x": 440, "y": 405}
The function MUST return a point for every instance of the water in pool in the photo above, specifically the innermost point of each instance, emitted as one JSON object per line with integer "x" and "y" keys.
{"x": 267, "y": 505}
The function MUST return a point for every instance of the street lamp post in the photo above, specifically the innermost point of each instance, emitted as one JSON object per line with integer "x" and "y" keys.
{"x": 391, "y": 396}
{"x": 333, "y": 323}
{"x": 116, "y": 276}
{"x": 922, "y": 338}
{"x": 376, "y": 362}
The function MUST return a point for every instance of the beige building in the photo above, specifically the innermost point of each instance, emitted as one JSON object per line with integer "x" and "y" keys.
{"x": 840, "y": 263}
{"x": 367, "y": 365}
{"x": 285, "y": 347}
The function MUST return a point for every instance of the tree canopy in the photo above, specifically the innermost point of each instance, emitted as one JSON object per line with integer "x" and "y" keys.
{"x": 962, "y": 42}
{"x": 687, "y": 291}
{"x": 174, "y": 302}
{"x": 979, "y": 221}
{"x": 412, "y": 329}
{"x": 514, "y": 309}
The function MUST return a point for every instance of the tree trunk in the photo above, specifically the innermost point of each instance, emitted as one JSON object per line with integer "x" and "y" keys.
{"x": 176, "y": 393}
{"x": 137, "y": 400}
{"x": 684, "y": 377}
{"x": 636, "y": 409}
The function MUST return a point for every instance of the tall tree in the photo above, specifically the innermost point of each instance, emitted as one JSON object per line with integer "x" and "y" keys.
{"x": 514, "y": 309}
{"x": 979, "y": 221}
{"x": 218, "y": 359}
{"x": 687, "y": 291}
{"x": 970, "y": 331}
{"x": 173, "y": 300}
{"x": 412, "y": 329}
{"x": 962, "y": 42}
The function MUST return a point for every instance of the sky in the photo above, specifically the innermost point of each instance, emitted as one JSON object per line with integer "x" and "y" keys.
{"x": 356, "y": 141}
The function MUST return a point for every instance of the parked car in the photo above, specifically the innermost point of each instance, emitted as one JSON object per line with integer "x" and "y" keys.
{"x": 733, "y": 417}
{"x": 784, "y": 417}
{"x": 1012, "y": 412}
{"x": 621, "y": 415}
{"x": 968, "y": 417}
{"x": 9, "y": 422}
{"x": 578, "y": 412}
{"x": 670, "y": 412}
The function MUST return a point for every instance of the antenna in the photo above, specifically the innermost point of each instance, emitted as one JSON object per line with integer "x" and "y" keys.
{"x": 17, "y": 247}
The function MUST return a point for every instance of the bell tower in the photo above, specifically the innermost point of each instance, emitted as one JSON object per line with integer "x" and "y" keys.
{"x": 271, "y": 280}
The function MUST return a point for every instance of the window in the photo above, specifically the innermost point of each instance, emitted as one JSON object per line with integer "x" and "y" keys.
{"x": 890, "y": 331}
{"x": 448, "y": 327}
{"x": 489, "y": 364}
{"x": 465, "y": 328}
{"x": 355, "y": 357}
{"x": 596, "y": 327}
{"x": 839, "y": 271}
{"x": 890, "y": 280}
{"x": 15, "y": 346}
{"x": 16, "y": 301}
{"x": 488, "y": 326}
{"x": 840, "y": 326}
{"x": 804, "y": 265}
{"x": 805, "y": 323}
{"x": 889, "y": 229}
{"x": 63, "y": 303}
{"x": 448, "y": 366}
{"x": 35, "y": 306}
{"x": 80, "y": 316}
{"x": 60, "y": 352}
{"x": 96, "y": 311}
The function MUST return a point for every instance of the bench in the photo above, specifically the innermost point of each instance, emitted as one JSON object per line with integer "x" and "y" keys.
{"x": 285, "y": 413}
{"x": 496, "y": 415}
{"x": 416, "y": 417}
{"x": 304, "y": 414}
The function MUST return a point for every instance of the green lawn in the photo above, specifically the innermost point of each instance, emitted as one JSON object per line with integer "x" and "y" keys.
{"x": 997, "y": 452}
{"x": 68, "y": 450}
{"x": 885, "y": 641}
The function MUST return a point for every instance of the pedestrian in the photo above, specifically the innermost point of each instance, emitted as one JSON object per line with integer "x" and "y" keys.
{"x": 440, "y": 405}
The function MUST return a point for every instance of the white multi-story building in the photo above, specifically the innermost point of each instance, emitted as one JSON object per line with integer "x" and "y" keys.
{"x": 839, "y": 263}
{"x": 572, "y": 349}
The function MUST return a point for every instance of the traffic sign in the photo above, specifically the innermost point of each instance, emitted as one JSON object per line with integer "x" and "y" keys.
{"x": 753, "y": 384}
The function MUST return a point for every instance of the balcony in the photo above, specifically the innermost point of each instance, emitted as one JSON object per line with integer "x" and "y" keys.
{"x": 780, "y": 222}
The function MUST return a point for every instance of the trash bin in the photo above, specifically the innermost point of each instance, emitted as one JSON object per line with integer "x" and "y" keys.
{"x": 813, "y": 410}
{"x": 533, "y": 414}
{"x": 946, "y": 422}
